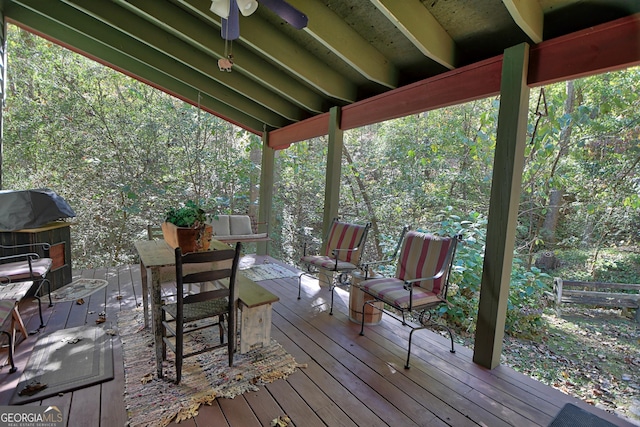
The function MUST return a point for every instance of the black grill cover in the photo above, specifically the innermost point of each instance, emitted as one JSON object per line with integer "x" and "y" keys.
{"x": 31, "y": 209}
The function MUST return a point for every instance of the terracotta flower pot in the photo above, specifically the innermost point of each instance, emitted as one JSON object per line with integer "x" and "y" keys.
{"x": 188, "y": 239}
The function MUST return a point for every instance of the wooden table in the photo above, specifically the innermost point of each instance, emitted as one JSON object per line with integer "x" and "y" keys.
{"x": 254, "y": 301}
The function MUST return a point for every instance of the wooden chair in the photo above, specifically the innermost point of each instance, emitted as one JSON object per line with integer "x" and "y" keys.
{"x": 189, "y": 312}
{"x": 23, "y": 265}
{"x": 344, "y": 246}
{"x": 420, "y": 283}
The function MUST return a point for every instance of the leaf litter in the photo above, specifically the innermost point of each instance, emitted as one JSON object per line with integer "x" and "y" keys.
{"x": 591, "y": 354}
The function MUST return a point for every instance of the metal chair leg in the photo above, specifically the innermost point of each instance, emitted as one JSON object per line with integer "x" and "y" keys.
{"x": 40, "y": 311}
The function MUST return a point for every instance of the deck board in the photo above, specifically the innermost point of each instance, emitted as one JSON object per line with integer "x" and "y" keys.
{"x": 347, "y": 379}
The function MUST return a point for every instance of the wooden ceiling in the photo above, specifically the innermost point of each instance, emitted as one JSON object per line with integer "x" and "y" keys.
{"x": 350, "y": 52}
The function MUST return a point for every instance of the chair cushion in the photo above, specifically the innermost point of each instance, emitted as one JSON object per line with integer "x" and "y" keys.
{"x": 242, "y": 237}
{"x": 220, "y": 224}
{"x": 240, "y": 225}
{"x": 345, "y": 236}
{"x": 15, "y": 291}
{"x": 327, "y": 263}
{"x": 393, "y": 292}
{"x": 422, "y": 255}
{"x": 19, "y": 270}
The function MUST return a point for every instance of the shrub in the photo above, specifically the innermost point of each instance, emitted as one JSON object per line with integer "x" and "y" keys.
{"x": 526, "y": 294}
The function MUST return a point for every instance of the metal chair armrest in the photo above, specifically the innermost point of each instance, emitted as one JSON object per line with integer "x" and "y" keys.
{"x": 26, "y": 256}
{"x": 45, "y": 246}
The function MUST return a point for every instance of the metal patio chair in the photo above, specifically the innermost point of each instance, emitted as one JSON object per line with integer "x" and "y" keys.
{"x": 344, "y": 246}
{"x": 420, "y": 284}
{"x": 23, "y": 265}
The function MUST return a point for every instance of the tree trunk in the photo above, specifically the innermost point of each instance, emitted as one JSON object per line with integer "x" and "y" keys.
{"x": 367, "y": 202}
{"x": 548, "y": 231}
{"x": 549, "y": 226}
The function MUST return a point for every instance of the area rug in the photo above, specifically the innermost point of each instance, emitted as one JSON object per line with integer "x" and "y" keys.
{"x": 78, "y": 289}
{"x": 571, "y": 416}
{"x": 267, "y": 271}
{"x": 158, "y": 402}
{"x": 64, "y": 361}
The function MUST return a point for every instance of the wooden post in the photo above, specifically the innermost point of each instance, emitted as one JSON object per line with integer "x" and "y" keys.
{"x": 334, "y": 172}
{"x": 503, "y": 208}
{"x": 266, "y": 193}
{"x": 332, "y": 183}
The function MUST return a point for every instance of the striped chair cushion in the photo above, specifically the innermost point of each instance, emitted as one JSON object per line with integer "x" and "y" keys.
{"x": 19, "y": 270}
{"x": 345, "y": 236}
{"x": 392, "y": 291}
{"x": 15, "y": 291}
{"x": 327, "y": 263}
{"x": 422, "y": 255}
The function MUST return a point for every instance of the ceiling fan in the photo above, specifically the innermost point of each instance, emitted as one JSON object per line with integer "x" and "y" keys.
{"x": 228, "y": 11}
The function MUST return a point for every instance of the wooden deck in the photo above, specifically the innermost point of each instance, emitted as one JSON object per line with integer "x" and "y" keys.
{"x": 349, "y": 381}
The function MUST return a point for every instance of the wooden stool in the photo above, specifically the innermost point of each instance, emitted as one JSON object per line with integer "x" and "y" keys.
{"x": 372, "y": 316}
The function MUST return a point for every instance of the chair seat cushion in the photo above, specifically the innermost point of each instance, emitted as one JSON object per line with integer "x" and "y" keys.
{"x": 327, "y": 263}
{"x": 241, "y": 237}
{"x": 19, "y": 270}
{"x": 199, "y": 310}
{"x": 15, "y": 291}
{"x": 393, "y": 292}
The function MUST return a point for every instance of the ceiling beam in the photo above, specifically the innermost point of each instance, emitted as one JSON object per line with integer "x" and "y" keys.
{"x": 181, "y": 24}
{"x": 529, "y": 17}
{"x": 264, "y": 38}
{"x": 474, "y": 81}
{"x": 107, "y": 56}
{"x": 330, "y": 30}
{"x": 464, "y": 84}
{"x": 137, "y": 51}
{"x": 607, "y": 47}
{"x": 175, "y": 49}
{"x": 421, "y": 28}
{"x": 612, "y": 46}
{"x": 313, "y": 127}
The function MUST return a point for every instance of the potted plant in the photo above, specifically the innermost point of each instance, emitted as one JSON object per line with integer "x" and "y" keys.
{"x": 186, "y": 227}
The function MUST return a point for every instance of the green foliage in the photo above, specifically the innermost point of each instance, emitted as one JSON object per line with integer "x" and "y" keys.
{"x": 607, "y": 265}
{"x": 527, "y": 287}
{"x": 190, "y": 215}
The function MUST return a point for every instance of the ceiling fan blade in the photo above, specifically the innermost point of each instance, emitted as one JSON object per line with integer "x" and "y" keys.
{"x": 231, "y": 27}
{"x": 290, "y": 14}
{"x": 247, "y": 7}
{"x": 220, "y": 8}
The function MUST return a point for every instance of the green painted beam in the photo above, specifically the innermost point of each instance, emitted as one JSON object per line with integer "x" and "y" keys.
{"x": 418, "y": 25}
{"x": 508, "y": 165}
{"x": 330, "y": 30}
{"x": 334, "y": 172}
{"x": 114, "y": 58}
{"x": 176, "y": 49}
{"x": 181, "y": 24}
{"x": 529, "y": 16}
{"x": 282, "y": 51}
{"x": 267, "y": 174}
